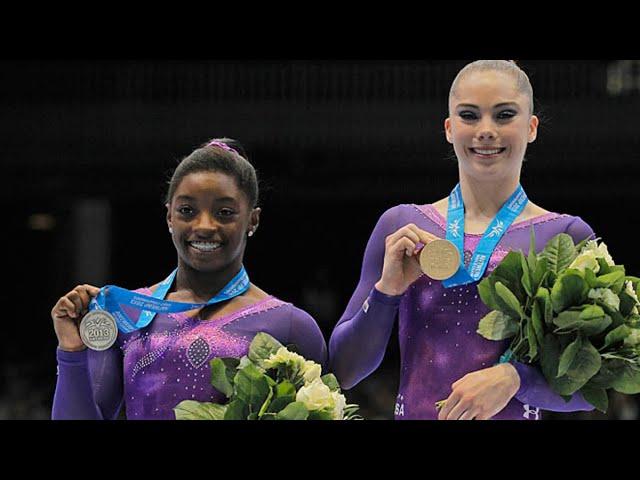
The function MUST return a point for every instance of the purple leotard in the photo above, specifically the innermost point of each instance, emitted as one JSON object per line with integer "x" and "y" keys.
{"x": 153, "y": 369}
{"x": 437, "y": 326}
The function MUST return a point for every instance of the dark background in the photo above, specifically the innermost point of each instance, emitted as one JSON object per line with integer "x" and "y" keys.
{"x": 87, "y": 147}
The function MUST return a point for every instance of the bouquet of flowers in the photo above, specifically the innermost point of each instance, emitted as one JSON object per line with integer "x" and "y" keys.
{"x": 571, "y": 310}
{"x": 270, "y": 383}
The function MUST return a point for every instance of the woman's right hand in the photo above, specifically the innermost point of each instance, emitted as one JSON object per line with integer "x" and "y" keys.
{"x": 401, "y": 264}
{"x": 67, "y": 314}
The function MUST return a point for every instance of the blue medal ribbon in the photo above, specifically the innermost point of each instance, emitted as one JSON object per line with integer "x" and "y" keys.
{"x": 111, "y": 298}
{"x": 512, "y": 208}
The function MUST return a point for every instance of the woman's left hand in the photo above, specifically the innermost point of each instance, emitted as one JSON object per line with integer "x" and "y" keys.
{"x": 481, "y": 394}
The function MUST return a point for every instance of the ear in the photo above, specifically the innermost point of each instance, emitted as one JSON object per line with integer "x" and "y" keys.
{"x": 254, "y": 221}
{"x": 447, "y": 129}
{"x": 533, "y": 128}
{"x": 169, "y": 217}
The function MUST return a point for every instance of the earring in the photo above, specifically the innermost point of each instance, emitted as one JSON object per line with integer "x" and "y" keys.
{"x": 250, "y": 233}
{"x": 171, "y": 230}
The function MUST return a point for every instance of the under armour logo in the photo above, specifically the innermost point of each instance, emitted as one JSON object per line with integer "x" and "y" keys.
{"x": 365, "y": 306}
{"x": 531, "y": 411}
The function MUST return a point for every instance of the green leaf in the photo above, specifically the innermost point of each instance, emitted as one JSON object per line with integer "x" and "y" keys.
{"x": 592, "y": 312}
{"x": 581, "y": 245}
{"x": 540, "y": 273}
{"x": 628, "y": 380}
{"x": 284, "y": 394}
{"x": 596, "y": 397}
{"x": 568, "y": 321}
{"x": 497, "y": 326}
{"x": 536, "y": 322}
{"x": 559, "y": 252}
{"x": 509, "y": 273}
{"x": 487, "y": 293}
{"x": 192, "y": 410}
{"x": 569, "y": 290}
{"x": 533, "y": 342}
{"x": 222, "y": 372}
{"x": 324, "y": 414}
{"x": 330, "y": 381}
{"x": 293, "y": 411}
{"x": 585, "y": 365}
{"x": 627, "y": 303}
{"x": 568, "y": 356}
{"x": 236, "y": 410}
{"x": 252, "y": 387}
{"x": 512, "y": 303}
{"x": 262, "y": 347}
{"x": 544, "y": 297}
{"x": 526, "y": 277}
{"x": 608, "y": 280}
{"x": 616, "y": 335}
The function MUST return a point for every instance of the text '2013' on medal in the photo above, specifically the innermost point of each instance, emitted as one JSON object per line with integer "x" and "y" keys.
{"x": 98, "y": 330}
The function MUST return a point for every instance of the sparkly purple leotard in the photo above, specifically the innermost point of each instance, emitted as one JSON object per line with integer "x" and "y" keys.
{"x": 153, "y": 369}
{"x": 437, "y": 326}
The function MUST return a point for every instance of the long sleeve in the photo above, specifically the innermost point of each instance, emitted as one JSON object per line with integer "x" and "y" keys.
{"x": 534, "y": 389}
{"x": 89, "y": 385}
{"x": 305, "y": 333}
{"x": 360, "y": 338}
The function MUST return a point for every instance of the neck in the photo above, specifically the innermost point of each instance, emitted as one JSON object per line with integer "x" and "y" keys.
{"x": 483, "y": 200}
{"x": 204, "y": 285}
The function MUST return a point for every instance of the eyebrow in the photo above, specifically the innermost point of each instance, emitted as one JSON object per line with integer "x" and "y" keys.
{"x": 220, "y": 199}
{"x": 499, "y": 105}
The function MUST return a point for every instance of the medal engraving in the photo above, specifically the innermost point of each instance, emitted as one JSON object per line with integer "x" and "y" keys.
{"x": 439, "y": 259}
{"x": 98, "y": 330}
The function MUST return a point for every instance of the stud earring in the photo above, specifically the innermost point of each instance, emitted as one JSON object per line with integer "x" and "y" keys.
{"x": 250, "y": 233}
{"x": 170, "y": 230}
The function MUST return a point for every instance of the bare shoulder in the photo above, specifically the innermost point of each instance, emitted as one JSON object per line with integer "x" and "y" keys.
{"x": 532, "y": 210}
{"x": 441, "y": 206}
{"x": 256, "y": 294}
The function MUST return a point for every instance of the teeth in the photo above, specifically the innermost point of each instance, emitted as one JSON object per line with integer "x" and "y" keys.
{"x": 205, "y": 246}
{"x": 487, "y": 152}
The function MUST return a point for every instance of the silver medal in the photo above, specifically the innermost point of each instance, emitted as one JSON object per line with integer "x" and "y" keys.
{"x": 98, "y": 330}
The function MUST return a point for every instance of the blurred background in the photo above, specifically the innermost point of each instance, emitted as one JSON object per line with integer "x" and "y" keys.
{"x": 87, "y": 148}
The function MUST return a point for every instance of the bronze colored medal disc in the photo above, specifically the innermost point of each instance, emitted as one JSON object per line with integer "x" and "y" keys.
{"x": 439, "y": 259}
{"x": 98, "y": 330}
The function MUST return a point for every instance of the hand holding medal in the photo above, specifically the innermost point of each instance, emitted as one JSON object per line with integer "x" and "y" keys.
{"x": 404, "y": 260}
{"x": 67, "y": 313}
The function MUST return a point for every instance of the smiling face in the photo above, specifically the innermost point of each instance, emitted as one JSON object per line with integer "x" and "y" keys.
{"x": 210, "y": 218}
{"x": 490, "y": 125}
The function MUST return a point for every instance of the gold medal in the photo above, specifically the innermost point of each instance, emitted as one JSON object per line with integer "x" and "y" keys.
{"x": 439, "y": 259}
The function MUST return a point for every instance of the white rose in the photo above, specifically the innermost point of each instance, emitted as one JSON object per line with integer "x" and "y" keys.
{"x": 633, "y": 338}
{"x": 310, "y": 371}
{"x": 340, "y": 403}
{"x": 586, "y": 260}
{"x": 607, "y": 296}
{"x": 316, "y": 396}
{"x": 600, "y": 251}
{"x": 284, "y": 357}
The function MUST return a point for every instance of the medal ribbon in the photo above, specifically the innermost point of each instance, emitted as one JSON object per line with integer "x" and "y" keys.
{"x": 111, "y": 298}
{"x": 492, "y": 235}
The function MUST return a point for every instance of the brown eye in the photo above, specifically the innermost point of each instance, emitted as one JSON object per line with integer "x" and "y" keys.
{"x": 185, "y": 210}
{"x": 506, "y": 114}
{"x": 467, "y": 115}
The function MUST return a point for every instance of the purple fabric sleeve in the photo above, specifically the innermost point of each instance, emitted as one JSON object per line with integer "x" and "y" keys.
{"x": 307, "y": 336}
{"x": 359, "y": 340}
{"x": 534, "y": 389}
{"x": 81, "y": 395}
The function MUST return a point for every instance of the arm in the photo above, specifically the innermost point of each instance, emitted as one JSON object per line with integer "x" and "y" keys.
{"x": 89, "y": 385}
{"x": 305, "y": 333}
{"x": 359, "y": 340}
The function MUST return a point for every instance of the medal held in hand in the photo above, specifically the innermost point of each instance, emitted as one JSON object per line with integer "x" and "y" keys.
{"x": 98, "y": 330}
{"x": 439, "y": 259}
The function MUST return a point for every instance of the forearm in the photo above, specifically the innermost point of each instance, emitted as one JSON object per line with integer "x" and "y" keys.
{"x": 358, "y": 344}
{"x": 73, "y": 398}
{"x": 535, "y": 391}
